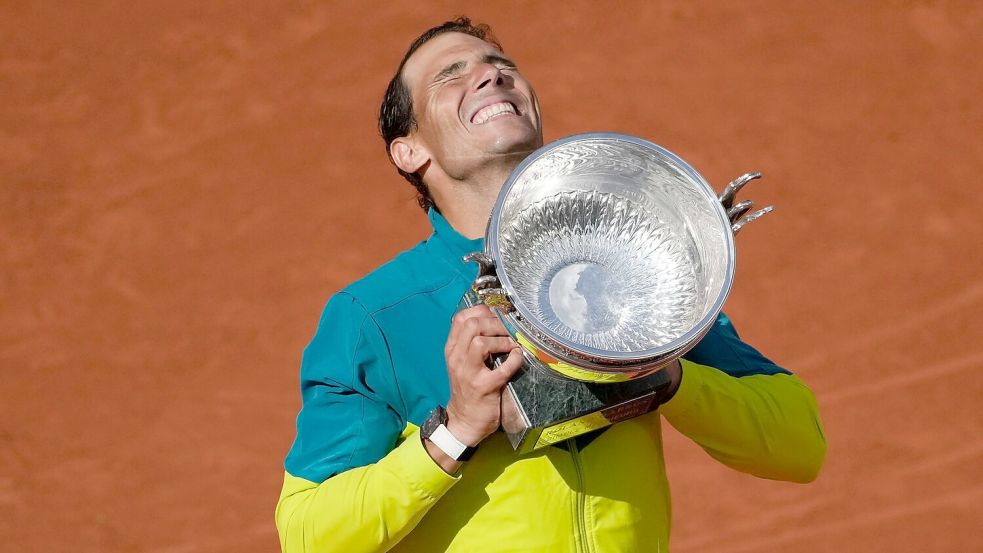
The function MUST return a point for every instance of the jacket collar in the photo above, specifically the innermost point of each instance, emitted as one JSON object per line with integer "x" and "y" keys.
{"x": 451, "y": 246}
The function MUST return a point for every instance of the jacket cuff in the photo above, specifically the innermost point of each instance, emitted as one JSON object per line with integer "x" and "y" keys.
{"x": 414, "y": 466}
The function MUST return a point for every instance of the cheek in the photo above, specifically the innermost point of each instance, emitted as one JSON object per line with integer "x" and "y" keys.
{"x": 444, "y": 110}
{"x": 534, "y": 98}
{"x": 528, "y": 92}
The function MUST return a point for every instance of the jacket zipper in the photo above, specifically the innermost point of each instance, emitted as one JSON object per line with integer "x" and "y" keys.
{"x": 581, "y": 500}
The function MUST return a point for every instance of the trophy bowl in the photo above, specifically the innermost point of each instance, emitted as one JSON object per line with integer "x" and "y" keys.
{"x": 611, "y": 256}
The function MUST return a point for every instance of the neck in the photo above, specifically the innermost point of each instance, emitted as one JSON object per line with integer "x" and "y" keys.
{"x": 467, "y": 203}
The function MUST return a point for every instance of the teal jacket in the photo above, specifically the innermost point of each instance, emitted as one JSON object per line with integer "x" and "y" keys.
{"x": 358, "y": 479}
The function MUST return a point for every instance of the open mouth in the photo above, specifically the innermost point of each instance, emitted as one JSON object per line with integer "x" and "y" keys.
{"x": 488, "y": 113}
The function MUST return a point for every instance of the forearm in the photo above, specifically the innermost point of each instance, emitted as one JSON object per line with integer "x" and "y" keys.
{"x": 364, "y": 509}
{"x": 766, "y": 425}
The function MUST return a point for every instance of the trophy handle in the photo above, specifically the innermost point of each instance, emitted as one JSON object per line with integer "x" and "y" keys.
{"x": 736, "y": 211}
{"x": 486, "y": 265}
{"x": 736, "y": 227}
{"x": 486, "y": 286}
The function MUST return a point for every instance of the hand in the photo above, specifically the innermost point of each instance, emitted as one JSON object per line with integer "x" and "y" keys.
{"x": 475, "y": 407}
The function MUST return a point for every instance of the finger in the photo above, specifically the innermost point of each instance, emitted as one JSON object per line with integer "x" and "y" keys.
{"x": 459, "y": 325}
{"x": 501, "y": 375}
{"x": 471, "y": 356}
{"x": 477, "y": 327}
{"x": 483, "y": 346}
{"x": 480, "y": 310}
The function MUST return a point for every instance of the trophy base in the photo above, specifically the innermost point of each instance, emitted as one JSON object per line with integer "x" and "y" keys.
{"x": 540, "y": 408}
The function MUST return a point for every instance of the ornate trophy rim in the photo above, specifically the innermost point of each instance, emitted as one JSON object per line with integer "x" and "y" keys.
{"x": 608, "y": 361}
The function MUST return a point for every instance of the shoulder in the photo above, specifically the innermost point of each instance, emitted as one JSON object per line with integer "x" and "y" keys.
{"x": 413, "y": 272}
{"x": 723, "y": 349}
{"x": 353, "y": 334}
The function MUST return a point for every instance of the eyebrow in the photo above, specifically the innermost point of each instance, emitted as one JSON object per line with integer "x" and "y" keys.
{"x": 458, "y": 66}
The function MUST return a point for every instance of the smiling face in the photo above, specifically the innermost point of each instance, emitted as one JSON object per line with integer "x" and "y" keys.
{"x": 473, "y": 108}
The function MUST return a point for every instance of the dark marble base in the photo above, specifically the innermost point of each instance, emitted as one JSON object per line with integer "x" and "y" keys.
{"x": 540, "y": 408}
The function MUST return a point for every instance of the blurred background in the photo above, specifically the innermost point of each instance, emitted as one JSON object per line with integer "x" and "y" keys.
{"x": 184, "y": 184}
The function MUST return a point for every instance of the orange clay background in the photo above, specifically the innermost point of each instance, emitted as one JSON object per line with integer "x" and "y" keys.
{"x": 182, "y": 186}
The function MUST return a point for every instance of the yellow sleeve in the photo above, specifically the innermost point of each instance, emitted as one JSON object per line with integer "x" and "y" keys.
{"x": 764, "y": 424}
{"x": 363, "y": 509}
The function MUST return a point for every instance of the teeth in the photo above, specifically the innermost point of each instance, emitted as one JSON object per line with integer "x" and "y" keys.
{"x": 487, "y": 113}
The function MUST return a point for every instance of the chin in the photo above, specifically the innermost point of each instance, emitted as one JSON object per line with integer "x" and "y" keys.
{"x": 517, "y": 143}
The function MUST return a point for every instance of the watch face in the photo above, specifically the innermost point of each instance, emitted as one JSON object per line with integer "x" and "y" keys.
{"x": 437, "y": 417}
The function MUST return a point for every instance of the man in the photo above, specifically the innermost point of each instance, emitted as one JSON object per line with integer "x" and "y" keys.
{"x": 457, "y": 118}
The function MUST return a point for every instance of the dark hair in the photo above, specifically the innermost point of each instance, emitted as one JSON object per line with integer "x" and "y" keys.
{"x": 396, "y": 117}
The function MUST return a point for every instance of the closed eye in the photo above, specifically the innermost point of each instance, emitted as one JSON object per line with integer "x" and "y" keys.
{"x": 450, "y": 72}
{"x": 455, "y": 70}
{"x": 499, "y": 61}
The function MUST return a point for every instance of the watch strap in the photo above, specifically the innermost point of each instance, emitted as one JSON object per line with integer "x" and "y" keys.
{"x": 443, "y": 439}
{"x": 436, "y": 431}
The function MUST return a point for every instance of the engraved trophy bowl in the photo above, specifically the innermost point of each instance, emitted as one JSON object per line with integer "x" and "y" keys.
{"x": 606, "y": 257}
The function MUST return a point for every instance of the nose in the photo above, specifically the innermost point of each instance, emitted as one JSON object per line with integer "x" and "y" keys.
{"x": 489, "y": 74}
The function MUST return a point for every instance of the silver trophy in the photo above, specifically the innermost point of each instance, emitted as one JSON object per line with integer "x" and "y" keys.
{"x": 606, "y": 257}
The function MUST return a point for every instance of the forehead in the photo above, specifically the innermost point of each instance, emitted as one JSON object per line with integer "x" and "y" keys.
{"x": 441, "y": 51}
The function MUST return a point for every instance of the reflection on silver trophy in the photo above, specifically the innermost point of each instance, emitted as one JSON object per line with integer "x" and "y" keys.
{"x": 606, "y": 257}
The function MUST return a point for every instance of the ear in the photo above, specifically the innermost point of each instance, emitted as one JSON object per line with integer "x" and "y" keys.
{"x": 408, "y": 154}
